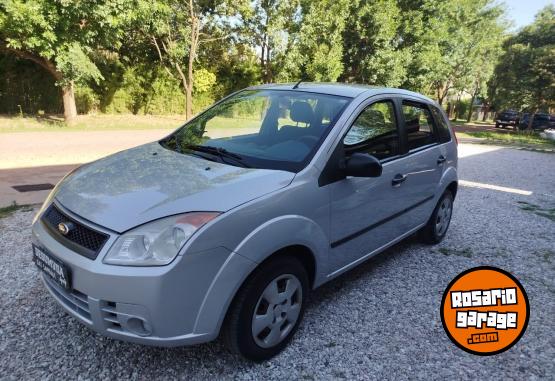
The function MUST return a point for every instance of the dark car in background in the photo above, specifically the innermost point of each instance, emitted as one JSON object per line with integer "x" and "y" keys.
{"x": 507, "y": 118}
{"x": 542, "y": 121}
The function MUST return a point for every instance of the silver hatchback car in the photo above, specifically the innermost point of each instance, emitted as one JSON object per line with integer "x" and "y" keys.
{"x": 228, "y": 223}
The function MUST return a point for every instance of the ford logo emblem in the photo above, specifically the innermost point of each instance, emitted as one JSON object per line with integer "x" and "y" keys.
{"x": 65, "y": 227}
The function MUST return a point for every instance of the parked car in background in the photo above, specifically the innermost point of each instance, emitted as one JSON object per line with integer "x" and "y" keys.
{"x": 507, "y": 118}
{"x": 542, "y": 121}
{"x": 228, "y": 223}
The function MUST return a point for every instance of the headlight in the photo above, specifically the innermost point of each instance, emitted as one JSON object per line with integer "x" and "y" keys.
{"x": 156, "y": 243}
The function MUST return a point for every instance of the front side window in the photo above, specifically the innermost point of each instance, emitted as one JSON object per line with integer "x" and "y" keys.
{"x": 274, "y": 129}
{"x": 374, "y": 132}
{"x": 419, "y": 125}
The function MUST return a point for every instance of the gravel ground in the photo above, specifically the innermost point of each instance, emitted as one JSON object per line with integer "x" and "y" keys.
{"x": 379, "y": 321}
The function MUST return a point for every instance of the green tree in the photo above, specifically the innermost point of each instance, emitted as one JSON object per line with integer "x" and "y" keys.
{"x": 449, "y": 42}
{"x": 62, "y": 36}
{"x": 267, "y": 26}
{"x": 373, "y": 52}
{"x": 316, "y": 47}
{"x": 524, "y": 78}
{"x": 486, "y": 39}
{"x": 177, "y": 30}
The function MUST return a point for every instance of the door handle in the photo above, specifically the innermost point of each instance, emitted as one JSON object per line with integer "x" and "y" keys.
{"x": 441, "y": 159}
{"x": 398, "y": 179}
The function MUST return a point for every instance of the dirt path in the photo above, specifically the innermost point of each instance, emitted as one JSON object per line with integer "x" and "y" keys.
{"x": 480, "y": 127}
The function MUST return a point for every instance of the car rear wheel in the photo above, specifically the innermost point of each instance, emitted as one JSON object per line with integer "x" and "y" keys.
{"x": 267, "y": 309}
{"x": 436, "y": 228}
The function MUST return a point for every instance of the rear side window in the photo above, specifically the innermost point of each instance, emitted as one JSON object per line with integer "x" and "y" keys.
{"x": 374, "y": 132}
{"x": 419, "y": 125}
{"x": 442, "y": 125}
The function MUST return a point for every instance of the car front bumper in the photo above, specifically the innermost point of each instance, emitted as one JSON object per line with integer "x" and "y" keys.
{"x": 183, "y": 303}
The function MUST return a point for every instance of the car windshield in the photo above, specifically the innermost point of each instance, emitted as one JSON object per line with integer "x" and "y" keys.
{"x": 275, "y": 129}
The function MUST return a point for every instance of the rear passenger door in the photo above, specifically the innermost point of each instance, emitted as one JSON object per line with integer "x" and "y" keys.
{"x": 423, "y": 160}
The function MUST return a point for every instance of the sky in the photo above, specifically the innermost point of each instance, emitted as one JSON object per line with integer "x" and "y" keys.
{"x": 522, "y": 12}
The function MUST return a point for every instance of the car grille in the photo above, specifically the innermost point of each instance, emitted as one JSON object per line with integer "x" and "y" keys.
{"x": 110, "y": 316}
{"x": 72, "y": 299}
{"x": 80, "y": 238}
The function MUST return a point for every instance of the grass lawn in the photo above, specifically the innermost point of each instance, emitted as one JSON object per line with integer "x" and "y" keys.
{"x": 105, "y": 122}
{"x": 8, "y": 210}
{"x": 513, "y": 138}
{"x": 463, "y": 122}
{"x": 99, "y": 122}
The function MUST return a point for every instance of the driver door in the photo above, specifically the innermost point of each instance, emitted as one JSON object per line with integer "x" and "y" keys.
{"x": 362, "y": 209}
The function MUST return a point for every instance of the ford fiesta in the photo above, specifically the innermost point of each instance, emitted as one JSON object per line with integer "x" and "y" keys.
{"x": 227, "y": 224}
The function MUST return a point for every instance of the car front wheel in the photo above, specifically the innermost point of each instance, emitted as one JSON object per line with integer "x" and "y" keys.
{"x": 267, "y": 309}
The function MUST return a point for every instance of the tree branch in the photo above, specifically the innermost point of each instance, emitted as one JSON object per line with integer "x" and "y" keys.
{"x": 161, "y": 56}
{"x": 43, "y": 62}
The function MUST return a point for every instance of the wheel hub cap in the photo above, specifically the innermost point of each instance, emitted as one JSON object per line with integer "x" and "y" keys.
{"x": 443, "y": 216}
{"x": 277, "y": 311}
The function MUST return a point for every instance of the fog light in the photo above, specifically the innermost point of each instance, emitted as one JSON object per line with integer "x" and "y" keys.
{"x": 138, "y": 326}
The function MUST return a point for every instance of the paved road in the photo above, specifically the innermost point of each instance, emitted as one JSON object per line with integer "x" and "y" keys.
{"x": 380, "y": 321}
{"x": 45, "y": 157}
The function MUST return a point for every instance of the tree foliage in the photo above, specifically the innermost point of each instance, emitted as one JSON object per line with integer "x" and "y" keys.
{"x": 524, "y": 77}
{"x": 120, "y": 55}
{"x": 62, "y": 35}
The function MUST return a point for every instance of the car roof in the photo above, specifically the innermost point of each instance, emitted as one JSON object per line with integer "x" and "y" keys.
{"x": 351, "y": 90}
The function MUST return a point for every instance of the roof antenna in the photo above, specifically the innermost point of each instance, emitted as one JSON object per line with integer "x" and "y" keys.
{"x": 297, "y": 84}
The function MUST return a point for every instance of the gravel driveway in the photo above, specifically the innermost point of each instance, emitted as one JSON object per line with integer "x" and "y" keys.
{"x": 379, "y": 321}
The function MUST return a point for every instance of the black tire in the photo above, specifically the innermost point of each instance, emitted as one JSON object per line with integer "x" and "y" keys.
{"x": 496, "y": 125}
{"x": 238, "y": 326}
{"x": 429, "y": 233}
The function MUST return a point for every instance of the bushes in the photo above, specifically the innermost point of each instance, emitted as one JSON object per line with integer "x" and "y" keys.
{"x": 137, "y": 90}
{"x": 26, "y": 88}
{"x": 462, "y": 108}
{"x": 86, "y": 100}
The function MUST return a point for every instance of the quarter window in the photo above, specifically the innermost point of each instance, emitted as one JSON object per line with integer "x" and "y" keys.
{"x": 374, "y": 132}
{"x": 419, "y": 125}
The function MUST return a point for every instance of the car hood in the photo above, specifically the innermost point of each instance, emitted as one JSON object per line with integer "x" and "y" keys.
{"x": 142, "y": 184}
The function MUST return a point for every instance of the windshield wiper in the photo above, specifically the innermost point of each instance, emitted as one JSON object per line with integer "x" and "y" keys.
{"x": 218, "y": 151}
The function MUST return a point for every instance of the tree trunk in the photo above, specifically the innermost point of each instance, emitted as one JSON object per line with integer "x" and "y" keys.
{"x": 486, "y": 112}
{"x": 458, "y": 106}
{"x": 439, "y": 97}
{"x": 189, "y": 103}
{"x": 469, "y": 115}
{"x": 189, "y": 89}
{"x": 269, "y": 75}
{"x": 531, "y": 121}
{"x": 70, "y": 109}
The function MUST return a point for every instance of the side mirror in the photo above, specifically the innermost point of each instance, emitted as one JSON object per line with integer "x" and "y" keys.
{"x": 363, "y": 165}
